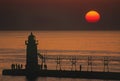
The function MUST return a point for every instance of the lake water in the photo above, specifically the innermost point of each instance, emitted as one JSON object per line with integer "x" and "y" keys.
{"x": 12, "y": 48}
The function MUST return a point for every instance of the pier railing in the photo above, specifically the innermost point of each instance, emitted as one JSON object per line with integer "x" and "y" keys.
{"x": 105, "y": 60}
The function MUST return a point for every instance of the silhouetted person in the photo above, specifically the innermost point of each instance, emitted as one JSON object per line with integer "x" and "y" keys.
{"x": 13, "y": 66}
{"x": 18, "y": 66}
{"x": 21, "y": 66}
{"x": 45, "y": 67}
{"x": 80, "y": 67}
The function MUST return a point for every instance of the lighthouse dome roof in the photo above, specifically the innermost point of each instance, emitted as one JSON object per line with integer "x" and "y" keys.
{"x": 31, "y": 36}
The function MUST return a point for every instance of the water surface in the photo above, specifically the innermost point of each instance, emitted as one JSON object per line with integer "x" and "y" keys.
{"x": 12, "y": 47}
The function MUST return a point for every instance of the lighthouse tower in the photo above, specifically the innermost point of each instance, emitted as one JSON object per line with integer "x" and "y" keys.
{"x": 31, "y": 50}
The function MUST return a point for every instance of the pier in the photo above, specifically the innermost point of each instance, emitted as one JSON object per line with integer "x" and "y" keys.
{"x": 37, "y": 63}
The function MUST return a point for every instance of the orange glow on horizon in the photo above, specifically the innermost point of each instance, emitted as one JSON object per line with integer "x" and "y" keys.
{"x": 92, "y": 16}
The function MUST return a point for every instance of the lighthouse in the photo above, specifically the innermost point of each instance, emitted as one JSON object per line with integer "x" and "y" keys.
{"x": 31, "y": 53}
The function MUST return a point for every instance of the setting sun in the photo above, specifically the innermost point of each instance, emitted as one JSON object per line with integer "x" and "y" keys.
{"x": 92, "y": 16}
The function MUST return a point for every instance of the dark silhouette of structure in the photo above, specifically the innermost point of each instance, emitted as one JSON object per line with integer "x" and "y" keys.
{"x": 32, "y": 54}
{"x": 89, "y": 67}
{"x": 32, "y": 67}
{"x": 106, "y": 64}
{"x": 73, "y": 63}
{"x": 58, "y": 61}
